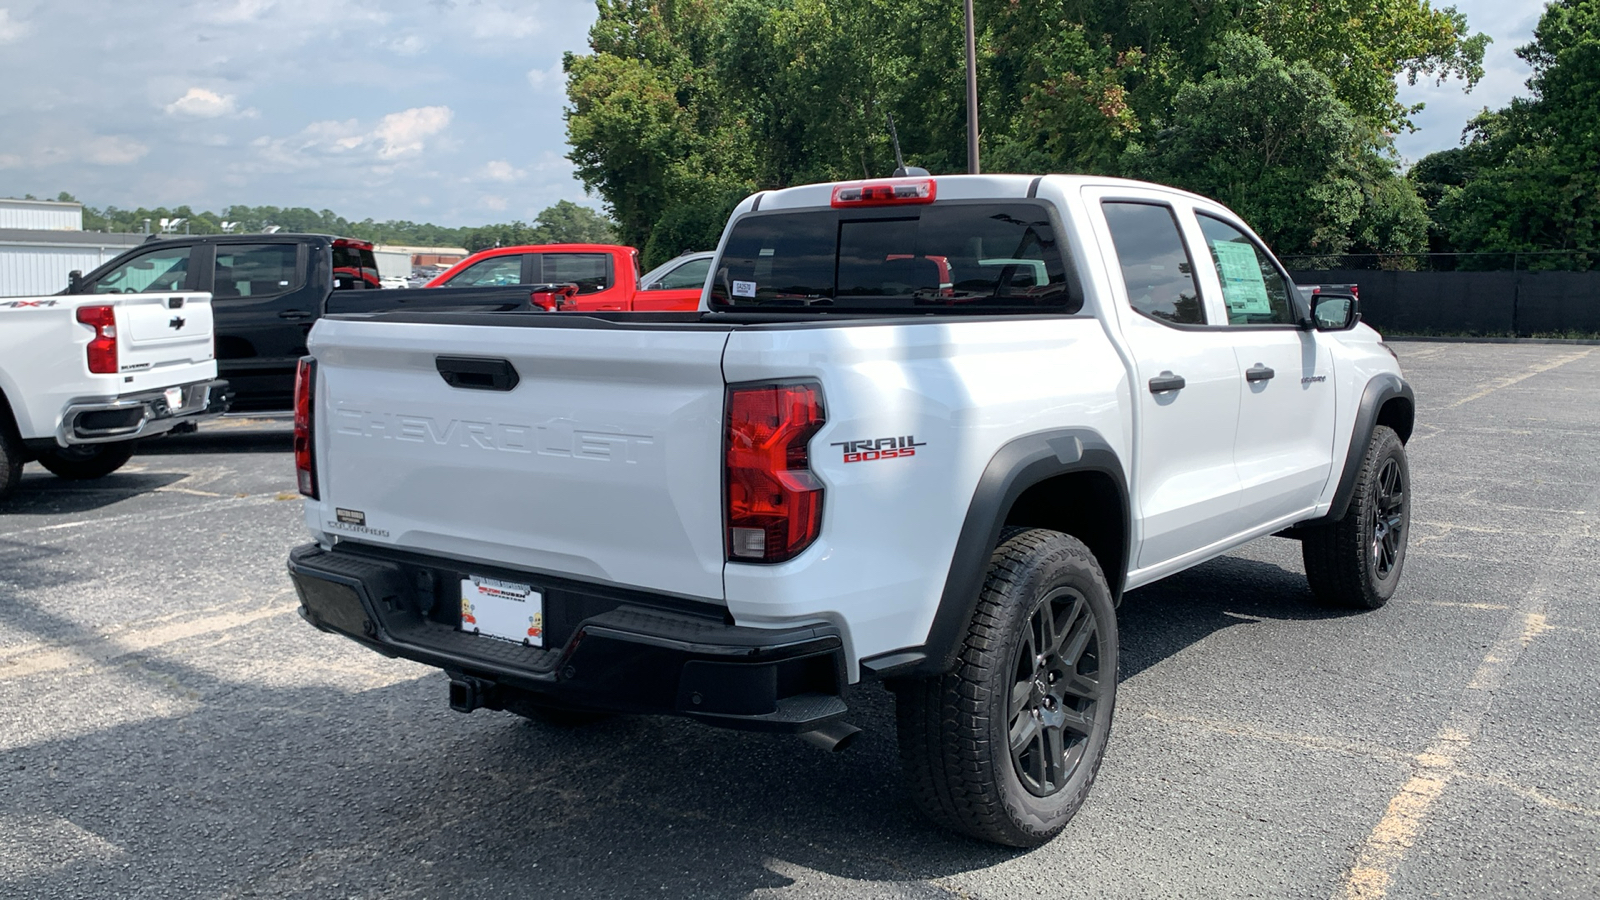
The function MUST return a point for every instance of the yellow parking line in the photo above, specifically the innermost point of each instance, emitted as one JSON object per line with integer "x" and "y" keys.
{"x": 1513, "y": 379}
{"x": 83, "y": 656}
{"x": 1380, "y": 856}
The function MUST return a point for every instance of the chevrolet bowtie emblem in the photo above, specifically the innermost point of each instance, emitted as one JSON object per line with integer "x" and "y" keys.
{"x": 176, "y": 323}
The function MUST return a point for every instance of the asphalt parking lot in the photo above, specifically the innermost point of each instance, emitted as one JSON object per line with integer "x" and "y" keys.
{"x": 169, "y": 727}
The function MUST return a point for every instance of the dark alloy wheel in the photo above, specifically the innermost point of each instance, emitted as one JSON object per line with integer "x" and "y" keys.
{"x": 1005, "y": 747}
{"x": 1055, "y": 691}
{"x": 1357, "y": 560}
{"x": 83, "y": 461}
{"x": 1388, "y": 525}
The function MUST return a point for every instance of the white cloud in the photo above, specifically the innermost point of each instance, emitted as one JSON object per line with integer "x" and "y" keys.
{"x": 500, "y": 170}
{"x": 238, "y": 12}
{"x": 396, "y": 135}
{"x": 10, "y": 30}
{"x": 491, "y": 21}
{"x": 203, "y": 104}
{"x": 410, "y": 45}
{"x": 106, "y": 150}
{"x": 542, "y": 80}
{"x": 494, "y": 202}
{"x": 403, "y": 133}
{"x": 10, "y": 161}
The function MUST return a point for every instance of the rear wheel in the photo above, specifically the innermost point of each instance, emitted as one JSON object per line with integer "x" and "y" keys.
{"x": 1356, "y": 561}
{"x": 1006, "y": 747}
{"x": 83, "y": 461}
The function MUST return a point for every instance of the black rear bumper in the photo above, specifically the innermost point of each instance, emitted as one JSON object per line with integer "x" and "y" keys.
{"x": 605, "y": 649}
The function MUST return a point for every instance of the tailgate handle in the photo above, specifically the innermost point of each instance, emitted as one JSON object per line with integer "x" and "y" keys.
{"x": 476, "y": 373}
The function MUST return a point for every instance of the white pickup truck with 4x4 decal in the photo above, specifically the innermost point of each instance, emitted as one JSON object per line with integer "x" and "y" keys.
{"x": 924, "y": 431}
{"x": 84, "y": 377}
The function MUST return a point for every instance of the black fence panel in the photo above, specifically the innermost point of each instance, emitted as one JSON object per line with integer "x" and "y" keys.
{"x": 1494, "y": 303}
{"x": 1558, "y": 302}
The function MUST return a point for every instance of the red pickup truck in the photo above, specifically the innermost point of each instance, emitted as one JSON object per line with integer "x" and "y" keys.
{"x": 607, "y": 276}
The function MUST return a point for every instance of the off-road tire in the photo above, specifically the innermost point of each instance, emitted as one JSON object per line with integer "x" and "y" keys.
{"x": 1356, "y": 561}
{"x": 85, "y": 461}
{"x": 956, "y": 730}
{"x": 11, "y": 455}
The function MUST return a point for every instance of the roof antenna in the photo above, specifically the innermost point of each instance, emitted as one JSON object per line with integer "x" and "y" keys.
{"x": 901, "y": 170}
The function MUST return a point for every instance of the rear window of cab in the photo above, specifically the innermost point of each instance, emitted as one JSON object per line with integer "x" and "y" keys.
{"x": 946, "y": 257}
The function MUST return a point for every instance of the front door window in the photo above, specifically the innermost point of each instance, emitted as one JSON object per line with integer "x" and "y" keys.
{"x": 158, "y": 271}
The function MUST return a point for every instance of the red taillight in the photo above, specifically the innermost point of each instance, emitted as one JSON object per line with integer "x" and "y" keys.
{"x": 558, "y": 299}
{"x": 305, "y": 385}
{"x": 885, "y": 193}
{"x": 774, "y": 502}
{"x": 103, "y": 347}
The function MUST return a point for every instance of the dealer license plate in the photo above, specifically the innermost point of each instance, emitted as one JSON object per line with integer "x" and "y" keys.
{"x": 502, "y": 609}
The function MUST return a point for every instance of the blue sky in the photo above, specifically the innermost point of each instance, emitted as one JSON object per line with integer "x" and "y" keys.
{"x": 1510, "y": 23}
{"x": 446, "y": 111}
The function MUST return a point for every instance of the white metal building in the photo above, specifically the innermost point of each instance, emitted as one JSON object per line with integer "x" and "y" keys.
{"x": 392, "y": 263}
{"x": 36, "y": 262}
{"x": 43, "y": 215}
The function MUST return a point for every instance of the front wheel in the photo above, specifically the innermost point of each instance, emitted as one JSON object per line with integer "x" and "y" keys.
{"x": 84, "y": 461}
{"x": 1356, "y": 561}
{"x": 1006, "y": 747}
{"x": 11, "y": 458}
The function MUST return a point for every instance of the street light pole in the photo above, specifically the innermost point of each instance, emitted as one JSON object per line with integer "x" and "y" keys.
{"x": 972, "y": 95}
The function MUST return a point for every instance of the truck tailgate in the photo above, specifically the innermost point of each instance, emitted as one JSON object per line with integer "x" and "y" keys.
{"x": 603, "y": 461}
{"x": 163, "y": 330}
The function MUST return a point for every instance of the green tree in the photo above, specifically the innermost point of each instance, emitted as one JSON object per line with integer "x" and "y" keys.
{"x": 568, "y": 223}
{"x": 1528, "y": 178}
{"x": 683, "y": 103}
{"x": 1270, "y": 139}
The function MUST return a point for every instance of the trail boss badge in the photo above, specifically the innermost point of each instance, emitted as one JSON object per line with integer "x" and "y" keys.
{"x": 879, "y": 448}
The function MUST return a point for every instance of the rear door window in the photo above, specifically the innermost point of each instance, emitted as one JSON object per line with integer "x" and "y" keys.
{"x": 980, "y": 257}
{"x": 1155, "y": 262}
{"x": 256, "y": 270}
{"x": 163, "y": 269}
{"x": 354, "y": 268}
{"x": 591, "y": 272}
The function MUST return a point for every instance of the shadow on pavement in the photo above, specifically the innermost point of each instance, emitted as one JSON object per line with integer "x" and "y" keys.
{"x": 1159, "y": 620}
{"x": 40, "y": 493}
{"x": 222, "y": 440}
{"x": 316, "y": 792}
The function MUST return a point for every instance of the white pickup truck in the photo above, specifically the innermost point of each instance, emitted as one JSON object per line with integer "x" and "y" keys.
{"x": 924, "y": 431}
{"x": 84, "y": 377}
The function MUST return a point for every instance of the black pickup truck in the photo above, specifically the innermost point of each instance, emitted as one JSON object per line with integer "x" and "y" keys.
{"x": 268, "y": 289}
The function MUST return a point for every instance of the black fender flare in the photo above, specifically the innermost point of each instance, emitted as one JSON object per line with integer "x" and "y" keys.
{"x": 1015, "y": 467}
{"x": 1379, "y": 391}
{"x": 8, "y": 419}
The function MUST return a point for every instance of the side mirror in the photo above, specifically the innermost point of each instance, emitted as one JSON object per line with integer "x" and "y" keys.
{"x": 75, "y": 282}
{"x": 1334, "y": 311}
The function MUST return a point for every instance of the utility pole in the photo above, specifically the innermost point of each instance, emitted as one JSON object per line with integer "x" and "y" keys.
{"x": 972, "y": 95}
